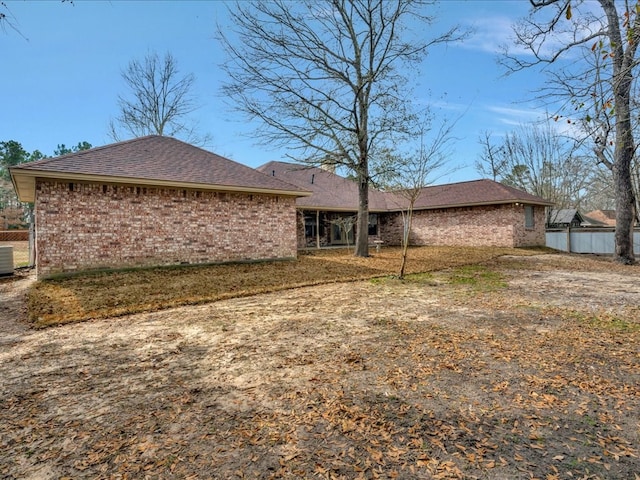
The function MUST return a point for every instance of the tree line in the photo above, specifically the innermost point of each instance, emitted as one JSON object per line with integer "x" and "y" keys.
{"x": 540, "y": 160}
{"x": 13, "y": 213}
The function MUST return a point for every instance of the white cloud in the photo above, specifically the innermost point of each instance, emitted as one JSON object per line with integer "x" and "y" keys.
{"x": 515, "y": 116}
{"x": 490, "y": 34}
{"x": 494, "y": 30}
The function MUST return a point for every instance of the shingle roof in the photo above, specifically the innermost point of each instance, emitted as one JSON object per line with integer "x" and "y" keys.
{"x": 474, "y": 192}
{"x": 592, "y": 222}
{"x": 564, "y": 216}
{"x": 606, "y": 217}
{"x": 332, "y": 192}
{"x": 152, "y": 160}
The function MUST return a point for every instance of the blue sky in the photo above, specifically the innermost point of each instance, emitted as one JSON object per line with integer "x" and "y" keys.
{"x": 61, "y": 76}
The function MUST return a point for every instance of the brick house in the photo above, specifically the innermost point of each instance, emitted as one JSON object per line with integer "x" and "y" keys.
{"x": 154, "y": 201}
{"x": 333, "y": 198}
{"x": 474, "y": 213}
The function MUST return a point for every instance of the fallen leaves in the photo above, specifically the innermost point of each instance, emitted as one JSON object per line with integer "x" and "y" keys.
{"x": 370, "y": 380}
{"x": 117, "y": 293}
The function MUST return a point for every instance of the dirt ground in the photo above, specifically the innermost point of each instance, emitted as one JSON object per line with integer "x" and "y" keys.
{"x": 527, "y": 368}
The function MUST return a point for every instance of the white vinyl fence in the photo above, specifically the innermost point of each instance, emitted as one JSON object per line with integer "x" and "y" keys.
{"x": 587, "y": 240}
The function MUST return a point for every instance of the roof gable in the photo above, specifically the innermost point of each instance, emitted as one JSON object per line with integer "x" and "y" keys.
{"x": 565, "y": 216}
{"x": 151, "y": 160}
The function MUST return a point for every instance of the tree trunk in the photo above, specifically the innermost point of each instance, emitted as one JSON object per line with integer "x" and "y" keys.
{"x": 406, "y": 233}
{"x": 624, "y": 209}
{"x": 624, "y": 149}
{"x": 362, "y": 232}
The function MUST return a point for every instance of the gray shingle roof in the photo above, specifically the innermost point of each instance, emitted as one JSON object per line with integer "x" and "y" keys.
{"x": 564, "y": 216}
{"x": 155, "y": 160}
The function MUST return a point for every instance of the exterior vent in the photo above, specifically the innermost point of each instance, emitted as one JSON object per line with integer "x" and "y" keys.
{"x": 6, "y": 260}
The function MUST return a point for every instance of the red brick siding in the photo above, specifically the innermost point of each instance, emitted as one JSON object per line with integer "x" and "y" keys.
{"x": 501, "y": 225}
{"x": 301, "y": 240}
{"x": 530, "y": 237}
{"x": 91, "y": 226}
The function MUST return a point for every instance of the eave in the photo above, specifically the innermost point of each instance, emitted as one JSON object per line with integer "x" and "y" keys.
{"x": 484, "y": 204}
{"x": 24, "y": 182}
{"x": 314, "y": 208}
{"x": 430, "y": 207}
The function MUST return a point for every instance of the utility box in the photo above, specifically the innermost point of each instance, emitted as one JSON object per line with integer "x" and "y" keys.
{"x": 6, "y": 260}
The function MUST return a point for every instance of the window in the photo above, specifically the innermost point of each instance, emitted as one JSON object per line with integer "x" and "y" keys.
{"x": 373, "y": 224}
{"x": 311, "y": 228}
{"x": 529, "y": 219}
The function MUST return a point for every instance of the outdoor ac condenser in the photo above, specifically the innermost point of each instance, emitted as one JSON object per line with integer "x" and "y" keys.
{"x": 6, "y": 260}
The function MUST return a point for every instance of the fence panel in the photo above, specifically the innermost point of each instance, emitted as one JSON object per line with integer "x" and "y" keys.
{"x": 587, "y": 240}
{"x": 556, "y": 239}
{"x": 14, "y": 235}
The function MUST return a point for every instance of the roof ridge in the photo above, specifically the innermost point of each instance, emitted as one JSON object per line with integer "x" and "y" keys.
{"x": 291, "y": 164}
{"x": 477, "y": 180}
{"x": 513, "y": 190}
{"x": 48, "y": 160}
{"x": 157, "y": 159}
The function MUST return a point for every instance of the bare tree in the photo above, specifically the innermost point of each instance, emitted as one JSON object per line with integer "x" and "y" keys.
{"x": 9, "y": 21}
{"x": 345, "y": 224}
{"x": 600, "y": 194}
{"x": 591, "y": 121}
{"x": 325, "y": 79}
{"x": 592, "y": 98}
{"x": 491, "y": 163}
{"x": 159, "y": 101}
{"x": 414, "y": 172}
{"x": 540, "y": 160}
{"x": 554, "y": 30}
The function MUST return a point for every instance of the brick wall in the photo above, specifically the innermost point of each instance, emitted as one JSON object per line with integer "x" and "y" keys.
{"x": 530, "y": 237}
{"x": 301, "y": 239}
{"x": 501, "y": 225}
{"x": 86, "y": 226}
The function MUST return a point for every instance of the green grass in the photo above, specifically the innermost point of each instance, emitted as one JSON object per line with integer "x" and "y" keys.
{"x": 607, "y": 321}
{"x": 426, "y": 278}
{"x": 478, "y": 277}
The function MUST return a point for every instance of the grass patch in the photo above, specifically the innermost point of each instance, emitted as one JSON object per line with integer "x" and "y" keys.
{"x": 609, "y": 322}
{"x": 115, "y": 293}
{"x": 479, "y": 277}
{"x": 422, "y": 278}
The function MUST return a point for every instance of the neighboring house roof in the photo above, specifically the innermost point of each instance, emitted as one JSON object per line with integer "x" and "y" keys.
{"x": 592, "y": 222}
{"x": 154, "y": 161}
{"x": 565, "y": 216}
{"x": 607, "y": 217}
{"x": 333, "y": 192}
{"x": 330, "y": 191}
